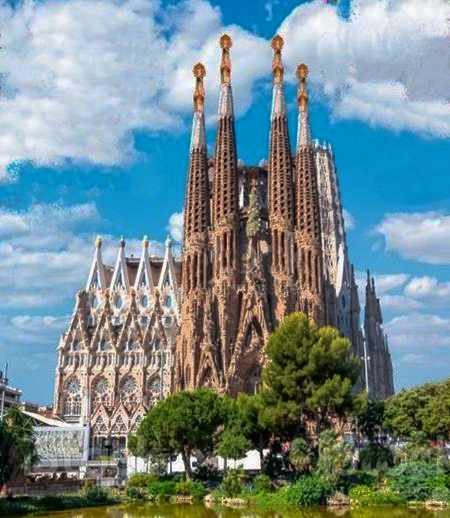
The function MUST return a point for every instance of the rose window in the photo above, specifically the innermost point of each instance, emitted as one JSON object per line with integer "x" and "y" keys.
{"x": 129, "y": 393}
{"x": 73, "y": 387}
{"x": 100, "y": 393}
{"x": 72, "y": 398}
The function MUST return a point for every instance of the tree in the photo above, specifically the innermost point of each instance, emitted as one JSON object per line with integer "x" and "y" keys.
{"x": 309, "y": 377}
{"x": 233, "y": 444}
{"x": 421, "y": 409}
{"x": 335, "y": 456}
{"x": 300, "y": 455}
{"x": 369, "y": 415}
{"x": 17, "y": 446}
{"x": 183, "y": 423}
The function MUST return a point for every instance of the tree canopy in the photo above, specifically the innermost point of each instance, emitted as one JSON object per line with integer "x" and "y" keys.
{"x": 183, "y": 423}
{"x": 420, "y": 409}
{"x": 309, "y": 377}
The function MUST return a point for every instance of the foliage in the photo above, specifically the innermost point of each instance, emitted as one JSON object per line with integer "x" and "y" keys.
{"x": 369, "y": 496}
{"x": 262, "y": 484}
{"x": 233, "y": 444}
{"x": 310, "y": 373}
{"x": 369, "y": 415}
{"x": 17, "y": 448}
{"x": 421, "y": 409}
{"x": 233, "y": 482}
{"x": 352, "y": 478}
{"x": 162, "y": 488}
{"x": 309, "y": 490}
{"x": 418, "y": 448}
{"x": 135, "y": 493}
{"x": 441, "y": 494}
{"x": 94, "y": 493}
{"x": 376, "y": 456}
{"x": 182, "y": 423}
{"x": 190, "y": 488}
{"x": 140, "y": 480}
{"x": 335, "y": 456}
{"x": 300, "y": 455}
{"x": 416, "y": 480}
{"x": 206, "y": 473}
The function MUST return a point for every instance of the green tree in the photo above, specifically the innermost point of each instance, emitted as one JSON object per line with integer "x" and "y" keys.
{"x": 17, "y": 446}
{"x": 309, "y": 377}
{"x": 183, "y": 423}
{"x": 233, "y": 444}
{"x": 421, "y": 409}
{"x": 300, "y": 455}
{"x": 335, "y": 456}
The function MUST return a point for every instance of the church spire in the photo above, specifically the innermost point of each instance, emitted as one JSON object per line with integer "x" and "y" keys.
{"x": 303, "y": 132}
{"x": 96, "y": 277}
{"x": 307, "y": 213}
{"x": 225, "y": 184}
{"x": 281, "y": 217}
{"x": 197, "y": 210}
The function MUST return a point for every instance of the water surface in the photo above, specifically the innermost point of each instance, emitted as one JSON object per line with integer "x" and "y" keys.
{"x": 199, "y": 511}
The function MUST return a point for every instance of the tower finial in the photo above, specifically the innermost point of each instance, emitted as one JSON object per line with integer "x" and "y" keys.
{"x": 199, "y": 72}
{"x": 277, "y": 64}
{"x": 225, "y": 65}
{"x": 302, "y": 98}
{"x": 98, "y": 242}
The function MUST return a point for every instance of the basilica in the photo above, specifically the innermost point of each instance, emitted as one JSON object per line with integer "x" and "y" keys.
{"x": 259, "y": 243}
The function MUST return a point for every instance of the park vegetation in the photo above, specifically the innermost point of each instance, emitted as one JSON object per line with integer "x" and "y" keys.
{"x": 298, "y": 422}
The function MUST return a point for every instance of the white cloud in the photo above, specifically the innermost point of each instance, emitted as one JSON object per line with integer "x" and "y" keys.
{"x": 421, "y": 236}
{"x": 429, "y": 290}
{"x": 80, "y": 75}
{"x": 387, "y": 64}
{"x": 419, "y": 332}
{"x": 45, "y": 253}
{"x": 415, "y": 359}
{"x": 349, "y": 220}
{"x": 400, "y": 303}
{"x": 175, "y": 226}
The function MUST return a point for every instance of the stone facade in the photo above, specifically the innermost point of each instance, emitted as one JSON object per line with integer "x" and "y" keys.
{"x": 115, "y": 359}
{"x": 259, "y": 243}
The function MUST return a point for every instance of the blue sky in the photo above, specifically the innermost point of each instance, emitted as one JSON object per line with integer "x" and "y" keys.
{"x": 94, "y": 135}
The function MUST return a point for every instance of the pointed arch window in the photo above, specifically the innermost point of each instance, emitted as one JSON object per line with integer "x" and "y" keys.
{"x": 72, "y": 398}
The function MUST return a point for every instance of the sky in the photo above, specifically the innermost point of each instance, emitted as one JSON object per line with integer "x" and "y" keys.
{"x": 95, "y": 112}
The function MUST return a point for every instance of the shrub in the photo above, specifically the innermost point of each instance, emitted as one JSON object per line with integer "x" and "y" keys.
{"x": 309, "y": 490}
{"x": 358, "y": 478}
{"x": 441, "y": 494}
{"x": 416, "y": 480}
{"x": 141, "y": 480}
{"x": 335, "y": 456}
{"x": 233, "y": 482}
{"x": 367, "y": 496}
{"x": 95, "y": 494}
{"x": 375, "y": 456}
{"x": 136, "y": 493}
{"x": 262, "y": 484}
{"x": 190, "y": 488}
{"x": 162, "y": 488}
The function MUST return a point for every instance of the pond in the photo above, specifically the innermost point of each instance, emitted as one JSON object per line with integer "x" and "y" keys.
{"x": 199, "y": 511}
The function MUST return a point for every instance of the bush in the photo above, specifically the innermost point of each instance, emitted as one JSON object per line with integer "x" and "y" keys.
{"x": 358, "y": 478}
{"x": 162, "y": 488}
{"x": 136, "y": 493}
{"x": 309, "y": 490}
{"x": 190, "y": 488}
{"x": 368, "y": 496}
{"x": 233, "y": 482}
{"x": 441, "y": 494}
{"x": 416, "y": 480}
{"x": 375, "y": 456}
{"x": 262, "y": 484}
{"x": 141, "y": 480}
{"x": 335, "y": 456}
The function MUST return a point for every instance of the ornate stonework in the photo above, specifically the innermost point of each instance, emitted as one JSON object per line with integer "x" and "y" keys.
{"x": 115, "y": 360}
{"x": 259, "y": 243}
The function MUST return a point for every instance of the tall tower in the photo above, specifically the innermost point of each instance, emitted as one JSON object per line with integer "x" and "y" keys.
{"x": 196, "y": 267}
{"x": 225, "y": 212}
{"x": 308, "y": 229}
{"x": 380, "y": 382}
{"x": 280, "y": 196}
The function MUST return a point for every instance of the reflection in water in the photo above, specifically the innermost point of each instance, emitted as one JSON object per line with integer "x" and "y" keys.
{"x": 199, "y": 511}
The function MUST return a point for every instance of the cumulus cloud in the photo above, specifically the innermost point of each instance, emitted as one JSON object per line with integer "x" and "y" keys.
{"x": 349, "y": 220}
{"x": 387, "y": 64}
{"x": 79, "y": 76}
{"x": 419, "y": 332}
{"x": 421, "y": 236}
{"x": 45, "y": 253}
{"x": 175, "y": 226}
